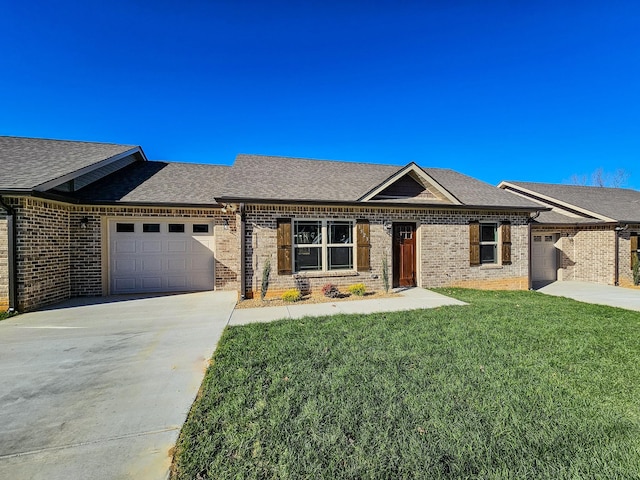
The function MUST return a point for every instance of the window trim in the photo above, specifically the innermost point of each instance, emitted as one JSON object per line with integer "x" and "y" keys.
{"x": 495, "y": 243}
{"x": 323, "y": 245}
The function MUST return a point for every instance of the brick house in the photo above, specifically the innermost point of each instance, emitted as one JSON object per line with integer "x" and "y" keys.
{"x": 588, "y": 234}
{"x": 87, "y": 219}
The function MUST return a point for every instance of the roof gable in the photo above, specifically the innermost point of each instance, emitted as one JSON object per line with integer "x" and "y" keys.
{"x": 36, "y": 164}
{"x": 410, "y": 183}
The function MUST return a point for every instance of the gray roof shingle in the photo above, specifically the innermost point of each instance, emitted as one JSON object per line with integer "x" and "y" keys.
{"x": 621, "y": 204}
{"x": 158, "y": 182}
{"x": 284, "y": 178}
{"x": 261, "y": 177}
{"x": 471, "y": 191}
{"x": 29, "y": 162}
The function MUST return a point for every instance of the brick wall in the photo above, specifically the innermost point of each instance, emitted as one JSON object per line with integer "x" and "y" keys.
{"x": 42, "y": 252}
{"x": 587, "y": 254}
{"x": 57, "y": 259}
{"x": 4, "y": 263}
{"x": 442, "y": 243}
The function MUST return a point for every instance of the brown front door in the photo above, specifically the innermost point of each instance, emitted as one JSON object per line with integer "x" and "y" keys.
{"x": 404, "y": 255}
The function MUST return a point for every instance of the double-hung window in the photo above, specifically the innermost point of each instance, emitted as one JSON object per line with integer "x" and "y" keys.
{"x": 322, "y": 245}
{"x": 488, "y": 243}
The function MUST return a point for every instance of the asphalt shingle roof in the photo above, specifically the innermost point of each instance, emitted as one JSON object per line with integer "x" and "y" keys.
{"x": 29, "y": 162}
{"x": 158, "y": 182}
{"x": 290, "y": 179}
{"x": 284, "y": 178}
{"x": 471, "y": 191}
{"x": 621, "y": 204}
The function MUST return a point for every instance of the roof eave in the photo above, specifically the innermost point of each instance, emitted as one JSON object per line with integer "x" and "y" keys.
{"x": 515, "y": 188}
{"x": 357, "y": 203}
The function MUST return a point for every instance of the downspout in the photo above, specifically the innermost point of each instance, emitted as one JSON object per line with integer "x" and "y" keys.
{"x": 11, "y": 240}
{"x": 243, "y": 221}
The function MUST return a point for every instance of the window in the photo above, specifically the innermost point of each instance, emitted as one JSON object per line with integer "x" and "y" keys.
{"x": 488, "y": 243}
{"x": 176, "y": 228}
{"x": 320, "y": 245}
{"x": 125, "y": 227}
{"x": 200, "y": 228}
{"x": 151, "y": 227}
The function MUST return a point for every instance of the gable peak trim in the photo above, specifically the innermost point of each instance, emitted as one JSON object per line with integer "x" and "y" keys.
{"x": 411, "y": 167}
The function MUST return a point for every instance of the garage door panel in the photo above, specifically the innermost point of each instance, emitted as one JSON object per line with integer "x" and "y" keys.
{"x": 151, "y": 264}
{"x": 177, "y": 264}
{"x": 154, "y": 246}
{"x": 151, "y": 283}
{"x": 125, "y": 285}
{"x": 125, "y": 246}
{"x": 164, "y": 261}
{"x": 199, "y": 245}
{"x": 177, "y": 282}
{"x": 177, "y": 246}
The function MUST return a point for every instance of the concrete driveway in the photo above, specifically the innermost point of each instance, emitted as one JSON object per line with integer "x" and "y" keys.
{"x": 101, "y": 390}
{"x": 628, "y": 298}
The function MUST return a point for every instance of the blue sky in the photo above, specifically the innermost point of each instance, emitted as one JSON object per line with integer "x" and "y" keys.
{"x": 515, "y": 90}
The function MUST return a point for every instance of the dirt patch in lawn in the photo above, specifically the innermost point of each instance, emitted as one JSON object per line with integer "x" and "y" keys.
{"x": 310, "y": 299}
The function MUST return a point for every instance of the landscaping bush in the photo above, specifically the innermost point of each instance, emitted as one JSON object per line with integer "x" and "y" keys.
{"x": 330, "y": 290}
{"x": 357, "y": 289}
{"x": 292, "y": 295}
{"x": 385, "y": 274}
{"x": 266, "y": 271}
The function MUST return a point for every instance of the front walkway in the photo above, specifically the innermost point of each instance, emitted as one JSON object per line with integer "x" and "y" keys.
{"x": 621, "y": 297}
{"x": 409, "y": 299}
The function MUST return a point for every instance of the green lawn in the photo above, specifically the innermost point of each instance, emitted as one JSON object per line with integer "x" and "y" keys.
{"x": 515, "y": 385}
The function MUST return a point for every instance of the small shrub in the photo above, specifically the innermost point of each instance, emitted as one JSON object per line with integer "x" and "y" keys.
{"x": 636, "y": 270}
{"x": 330, "y": 290}
{"x": 266, "y": 271}
{"x": 357, "y": 289}
{"x": 385, "y": 274}
{"x": 292, "y": 295}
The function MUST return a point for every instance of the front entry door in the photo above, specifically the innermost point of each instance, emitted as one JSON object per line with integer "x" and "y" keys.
{"x": 404, "y": 255}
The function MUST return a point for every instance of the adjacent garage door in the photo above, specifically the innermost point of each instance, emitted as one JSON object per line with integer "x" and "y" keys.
{"x": 543, "y": 258}
{"x": 151, "y": 255}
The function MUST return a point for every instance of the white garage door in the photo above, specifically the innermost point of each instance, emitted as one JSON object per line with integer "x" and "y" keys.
{"x": 152, "y": 255}
{"x": 543, "y": 258}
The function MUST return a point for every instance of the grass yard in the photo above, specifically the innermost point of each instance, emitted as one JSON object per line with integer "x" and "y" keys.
{"x": 515, "y": 385}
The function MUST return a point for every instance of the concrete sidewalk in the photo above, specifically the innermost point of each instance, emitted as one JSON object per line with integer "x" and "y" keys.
{"x": 409, "y": 299}
{"x": 621, "y": 297}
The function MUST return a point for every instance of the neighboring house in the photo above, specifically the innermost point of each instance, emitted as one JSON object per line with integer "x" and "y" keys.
{"x": 85, "y": 219}
{"x": 590, "y": 234}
